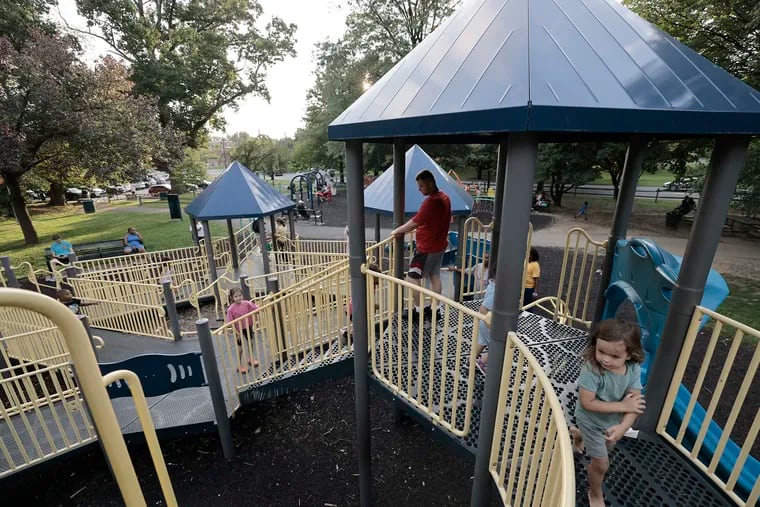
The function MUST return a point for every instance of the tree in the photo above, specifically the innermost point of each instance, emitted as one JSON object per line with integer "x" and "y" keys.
{"x": 390, "y": 29}
{"x": 379, "y": 33}
{"x": 55, "y": 113}
{"x": 195, "y": 57}
{"x": 727, "y": 33}
{"x": 18, "y": 18}
{"x": 565, "y": 166}
{"x": 262, "y": 154}
{"x": 190, "y": 170}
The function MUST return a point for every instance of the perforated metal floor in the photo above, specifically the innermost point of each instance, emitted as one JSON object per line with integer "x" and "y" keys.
{"x": 643, "y": 472}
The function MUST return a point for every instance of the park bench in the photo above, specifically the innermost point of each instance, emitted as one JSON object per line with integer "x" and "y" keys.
{"x": 94, "y": 250}
{"x": 307, "y": 214}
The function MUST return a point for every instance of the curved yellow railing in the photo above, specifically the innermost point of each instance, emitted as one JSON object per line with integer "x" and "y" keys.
{"x": 582, "y": 257}
{"x": 91, "y": 383}
{"x": 531, "y": 453}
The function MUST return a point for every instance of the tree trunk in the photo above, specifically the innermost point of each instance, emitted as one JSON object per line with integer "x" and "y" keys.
{"x": 57, "y": 194}
{"x": 19, "y": 208}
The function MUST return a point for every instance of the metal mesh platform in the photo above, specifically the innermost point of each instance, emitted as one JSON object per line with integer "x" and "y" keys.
{"x": 643, "y": 472}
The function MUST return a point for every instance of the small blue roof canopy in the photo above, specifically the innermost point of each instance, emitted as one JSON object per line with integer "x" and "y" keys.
{"x": 237, "y": 193}
{"x": 567, "y": 69}
{"x": 378, "y": 196}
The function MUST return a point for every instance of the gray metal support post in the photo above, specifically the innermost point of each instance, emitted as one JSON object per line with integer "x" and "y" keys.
{"x": 263, "y": 243}
{"x": 233, "y": 247}
{"x": 458, "y": 277}
{"x": 208, "y": 356}
{"x": 520, "y": 169}
{"x": 194, "y": 230}
{"x": 212, "y": 274}
{"x": 292, "y": 224}
{"x": 71, "y": 271}
{"x": 725, "y": 165}
{"x": 377, "y": 228}
{"x": 355, "y": 170}
{"x": 498, "y": 204}
{"x": 244, "y": 287}
{"x": 273, "y": 225}
{"x": 623, "y": 208}
{"x": 10, "y": 276}
{"x": 399, "y": 184}
{"x": 171, "y": 310}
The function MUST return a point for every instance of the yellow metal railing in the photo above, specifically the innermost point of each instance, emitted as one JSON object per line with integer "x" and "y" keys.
{"x": 691, "y": 441}
{"x": 125, "y": 307}
{"x": 44, "y": 411}
{"x": 582, "y": 258}
{"x": 292, "y": 330}
{"x": 531, "y": 454}
{"x": 418, "y": 366}
{"x": 475, "y": 233}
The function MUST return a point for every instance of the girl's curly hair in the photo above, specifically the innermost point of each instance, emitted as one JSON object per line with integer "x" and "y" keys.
{"x": 615, "y": 330}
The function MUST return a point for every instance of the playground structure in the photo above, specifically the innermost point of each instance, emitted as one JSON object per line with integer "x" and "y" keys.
{"x": 309, "y": 184}
{"x": 298, "y": 342}
{"x": 543, "y": 83}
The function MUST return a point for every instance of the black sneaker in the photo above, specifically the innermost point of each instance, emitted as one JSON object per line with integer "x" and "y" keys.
{"x": 412, "y": 315}
{"x": 427, "y": 313}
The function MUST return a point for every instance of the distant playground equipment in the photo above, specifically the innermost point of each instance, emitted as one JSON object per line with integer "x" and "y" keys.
{"x": 309, "y": 183}
{"x": 644, "y": 274}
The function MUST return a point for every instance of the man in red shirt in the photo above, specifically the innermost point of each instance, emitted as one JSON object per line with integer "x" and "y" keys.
{"x": 432, "y": 225}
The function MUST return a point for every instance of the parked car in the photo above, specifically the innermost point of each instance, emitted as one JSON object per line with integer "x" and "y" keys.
{"x": 73, "y": 194}
{"x": 204, "y": 183}
{"x": 139, "y": 185}
{"x": 157, "y": 189}
{"x": 679, "y": 184}
{"x": 97, "y": 192}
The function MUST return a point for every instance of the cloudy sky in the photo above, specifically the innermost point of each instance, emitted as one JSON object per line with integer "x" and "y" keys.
{"x": 288, "y": 81}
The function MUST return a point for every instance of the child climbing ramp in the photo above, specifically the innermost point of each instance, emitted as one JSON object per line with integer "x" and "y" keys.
{"x": 244, "y": 328}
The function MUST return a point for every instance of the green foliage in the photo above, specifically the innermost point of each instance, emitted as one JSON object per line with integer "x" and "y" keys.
{"x": 727, "y": 33}
{"x": 18, "y": 18}
{"x": 59, "y": 118}
{"x": 566, "y": 165}
{"x": 191, "y": 169}
{"x": 263, "y": 154}
{"x": 379, "y": 34}
{"x": 195, "y": 57}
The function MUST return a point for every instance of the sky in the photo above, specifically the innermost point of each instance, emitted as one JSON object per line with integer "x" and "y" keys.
{"x": 287, "y": 81}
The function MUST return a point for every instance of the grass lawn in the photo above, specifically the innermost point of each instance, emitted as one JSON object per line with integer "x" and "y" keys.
{"x": 108, "y": 222}
{"x": 742, "y": 302}
{"x": 645, "y": 180}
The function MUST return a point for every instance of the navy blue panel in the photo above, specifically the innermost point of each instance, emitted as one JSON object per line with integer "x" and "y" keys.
{"x": 238, "y": 193}
{"x": 159, "y": 373}
{"x": 378, "y": 197}
{"x": 493, "y": 60}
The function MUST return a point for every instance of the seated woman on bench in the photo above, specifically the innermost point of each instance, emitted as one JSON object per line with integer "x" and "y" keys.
{"x": 133, "y": 242}
{"x": 301, "y": 209}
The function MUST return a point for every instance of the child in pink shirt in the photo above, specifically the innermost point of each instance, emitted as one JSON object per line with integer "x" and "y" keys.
{"x": 239, "y": 307}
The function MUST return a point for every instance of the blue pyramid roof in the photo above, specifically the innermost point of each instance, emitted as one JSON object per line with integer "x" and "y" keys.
{"x": 378, "y": 196}
{"x": 552, "y": 66}
{"x": 237, "y": 193}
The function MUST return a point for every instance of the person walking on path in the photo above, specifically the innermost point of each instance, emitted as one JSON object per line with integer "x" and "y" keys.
{"x": 582, "y": 212}
{"x": 431, "y": 224}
